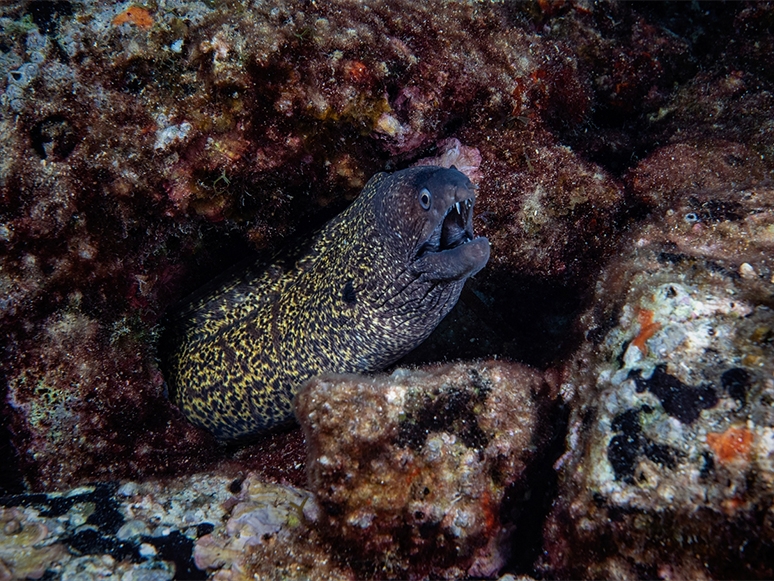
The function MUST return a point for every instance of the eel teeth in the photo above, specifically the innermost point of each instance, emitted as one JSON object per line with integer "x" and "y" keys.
{"x": 457, "y": 205}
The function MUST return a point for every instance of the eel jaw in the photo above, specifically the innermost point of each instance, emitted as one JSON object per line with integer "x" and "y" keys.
{"x": 452, "y": 252}
{"x": 455, "y": 229}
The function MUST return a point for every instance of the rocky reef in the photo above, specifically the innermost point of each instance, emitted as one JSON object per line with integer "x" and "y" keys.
{"x": 668, "y": 469}
{"x": 624, "y": 155}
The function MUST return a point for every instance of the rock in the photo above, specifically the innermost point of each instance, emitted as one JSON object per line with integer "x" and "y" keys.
{"x": 547, "y": 212}
{"x": 194, "y": 527}
{"x": 269, "y": 532}
{"x": 669, "y": 468}
{"x": 26, "y": 552}
{"x": 453, "y": 153}
{"x": 409, "y": 470}
{"x": 127, "y": 531}
{"x": 674, "y": 173}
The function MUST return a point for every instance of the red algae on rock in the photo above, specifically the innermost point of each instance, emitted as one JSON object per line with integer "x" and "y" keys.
{"x": 678, "y": 170}
{"x": 409, "y": 470}
{"x": 647, "y": 329}
{"x": 733, "y": 444}
{"x": 136, "y": 15}
{"x": 53, "y": 425}
{"x": 562, "y": 217}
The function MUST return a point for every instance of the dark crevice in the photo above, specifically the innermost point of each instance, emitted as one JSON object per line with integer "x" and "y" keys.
{"x": 11, "y": 481}
{"x": 46, "y": 13}
{"x": 528, "y": 319}
{"x": 527, "y": 503}
{"x": 54, "y": 138}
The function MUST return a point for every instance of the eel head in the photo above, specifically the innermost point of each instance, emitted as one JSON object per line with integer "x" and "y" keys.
{"x": 430, "y": 214}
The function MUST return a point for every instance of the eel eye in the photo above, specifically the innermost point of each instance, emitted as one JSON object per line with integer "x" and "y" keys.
{"x": 425, "y": 198}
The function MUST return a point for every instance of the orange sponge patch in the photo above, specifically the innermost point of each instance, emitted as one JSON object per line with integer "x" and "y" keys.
{"x": 136, "y": 15}
{"x": 647, "y": 329}
{"x": 732, "y": 444}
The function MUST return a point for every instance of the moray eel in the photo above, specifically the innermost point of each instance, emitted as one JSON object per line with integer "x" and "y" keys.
{"x": 370, "y": 286}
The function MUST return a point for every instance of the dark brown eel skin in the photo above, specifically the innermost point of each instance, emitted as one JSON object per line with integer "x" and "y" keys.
{"x": 368, "y": 288}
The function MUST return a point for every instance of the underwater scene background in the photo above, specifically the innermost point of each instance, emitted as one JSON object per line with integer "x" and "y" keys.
{"x": 599, "y": 403}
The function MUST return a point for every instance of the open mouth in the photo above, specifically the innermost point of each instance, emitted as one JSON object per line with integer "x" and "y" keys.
{"x": 454, "y": 230}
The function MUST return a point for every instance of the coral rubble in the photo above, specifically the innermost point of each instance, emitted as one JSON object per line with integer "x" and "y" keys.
{"x": 197, "y": 527}
{"x": 269, "y": 534}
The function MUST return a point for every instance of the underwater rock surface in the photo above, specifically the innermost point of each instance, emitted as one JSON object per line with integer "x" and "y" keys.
{"x": 409, "y": 470}
{"x": 125, "y": 530}
{"x": 669, "y": 469}
{"x": 269, "y": 533}
{"x": 623, "y": 154}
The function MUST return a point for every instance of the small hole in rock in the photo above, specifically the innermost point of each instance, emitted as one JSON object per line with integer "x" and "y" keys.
{"x": 54, "y": 138}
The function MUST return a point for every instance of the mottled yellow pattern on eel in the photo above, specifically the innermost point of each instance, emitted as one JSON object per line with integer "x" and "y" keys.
{"x": 368, "y": 288}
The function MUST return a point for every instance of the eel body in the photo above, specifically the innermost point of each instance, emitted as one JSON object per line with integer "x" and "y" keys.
{"x": 370, "y": 286}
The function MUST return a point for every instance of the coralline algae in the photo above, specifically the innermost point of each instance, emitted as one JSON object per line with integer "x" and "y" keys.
{"x": 269, "y": 533}
{"x": 129, "y": 531}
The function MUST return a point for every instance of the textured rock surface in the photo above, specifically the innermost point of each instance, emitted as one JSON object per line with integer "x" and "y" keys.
{"x": 269, "y": 533}
{"x": 119, "y": 530}
{"x": 410, "y": 469}
{"x": 669, "y": 469}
